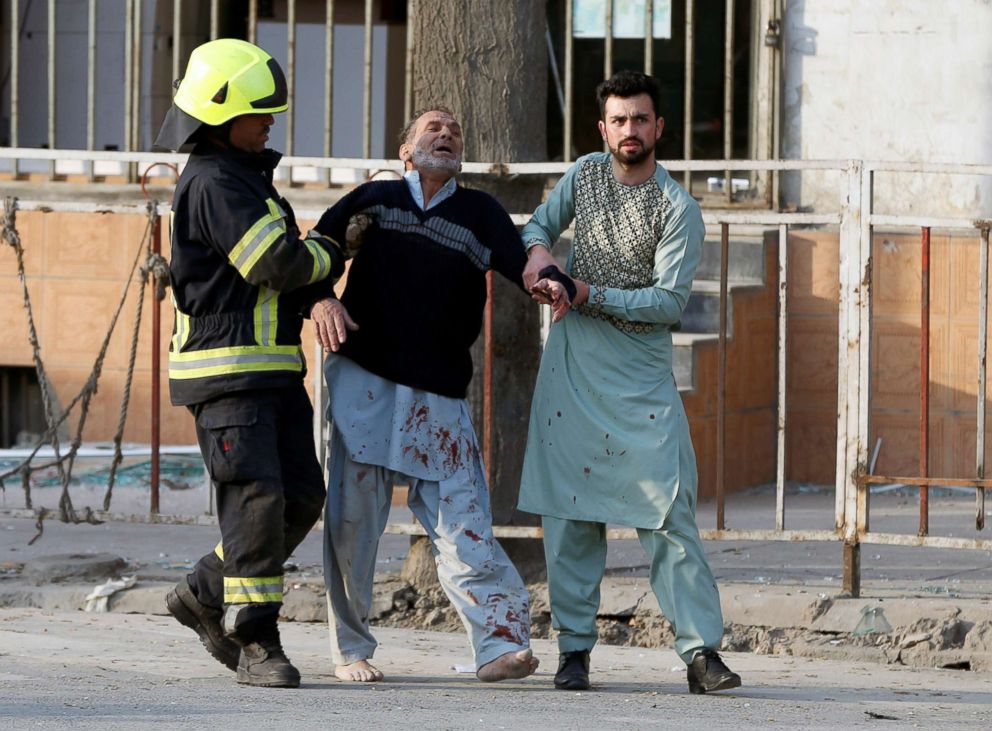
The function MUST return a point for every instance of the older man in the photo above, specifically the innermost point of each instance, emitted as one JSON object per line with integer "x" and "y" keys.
{"x": 397, "y": 375}
{"x": 609, "y": 440}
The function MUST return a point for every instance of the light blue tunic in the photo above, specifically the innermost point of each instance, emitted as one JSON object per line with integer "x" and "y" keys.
{"x": 606, "y": 420}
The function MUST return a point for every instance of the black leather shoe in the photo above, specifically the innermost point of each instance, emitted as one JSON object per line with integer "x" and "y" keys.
{"x": 707, "y": 673}
{"x": 205, "y": 621}
{"x": 573, "y": 671}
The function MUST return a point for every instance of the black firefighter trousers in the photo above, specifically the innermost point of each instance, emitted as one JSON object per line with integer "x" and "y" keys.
{"x": 258, "y": 448}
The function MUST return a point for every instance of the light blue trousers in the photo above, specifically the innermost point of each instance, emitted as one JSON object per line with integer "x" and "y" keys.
{"x": 680, "y": 578}
{"x": 474, "y": 571}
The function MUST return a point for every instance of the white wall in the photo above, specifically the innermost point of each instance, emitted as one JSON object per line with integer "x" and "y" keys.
{"x": 890, "y": 80}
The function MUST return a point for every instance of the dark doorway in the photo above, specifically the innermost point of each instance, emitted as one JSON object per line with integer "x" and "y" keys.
{"x": 22, "y": 414}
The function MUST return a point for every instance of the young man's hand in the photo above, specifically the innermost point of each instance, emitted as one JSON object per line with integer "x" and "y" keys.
{"x": 538, "y": 257}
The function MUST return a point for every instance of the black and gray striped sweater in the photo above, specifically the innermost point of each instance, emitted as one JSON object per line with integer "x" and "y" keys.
{"x": 417, "y": 287}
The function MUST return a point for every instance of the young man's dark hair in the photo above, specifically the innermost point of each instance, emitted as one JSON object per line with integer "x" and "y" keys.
{"x": 626, "y": 84}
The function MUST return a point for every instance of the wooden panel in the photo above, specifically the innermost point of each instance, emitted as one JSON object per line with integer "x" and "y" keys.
{"x": 77, "y": 315}
{"x": 89, "y": 246}
{"x": 813, "y": 273}
{"x": 30, "y": 227}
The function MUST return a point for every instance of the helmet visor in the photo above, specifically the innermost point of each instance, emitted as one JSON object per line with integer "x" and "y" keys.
{"x": 279, "y": 98}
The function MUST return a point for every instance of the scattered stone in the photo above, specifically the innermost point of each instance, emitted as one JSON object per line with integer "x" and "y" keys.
{"x": 386, "y": 594}
{"x": 914, "y": 639}
{"x": 11, "y": 568}
{"x": 420, "y": 567}
{"x": 433, "y": 617}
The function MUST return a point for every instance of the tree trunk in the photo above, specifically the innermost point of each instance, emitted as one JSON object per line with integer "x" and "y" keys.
{"x": 486, "y": 60}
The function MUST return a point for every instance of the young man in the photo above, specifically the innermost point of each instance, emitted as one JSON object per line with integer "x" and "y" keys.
{"x": 397, "y": 373}
{"x": 241, "y": 279}
{"x": 608, "y": 440}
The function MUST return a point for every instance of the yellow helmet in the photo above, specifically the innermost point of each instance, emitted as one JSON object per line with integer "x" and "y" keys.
{"x": 224, "y": 79}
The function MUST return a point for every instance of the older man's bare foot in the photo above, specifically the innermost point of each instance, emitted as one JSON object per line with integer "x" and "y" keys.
{"x": 361, "y": 671}
{"x": 509, "y": 666}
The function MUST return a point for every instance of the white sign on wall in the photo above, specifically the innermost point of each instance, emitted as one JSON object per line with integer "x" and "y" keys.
{"x": 589, "y": 18}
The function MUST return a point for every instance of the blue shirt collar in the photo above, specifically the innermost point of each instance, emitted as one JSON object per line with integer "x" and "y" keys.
{"x": 412, "y": 178}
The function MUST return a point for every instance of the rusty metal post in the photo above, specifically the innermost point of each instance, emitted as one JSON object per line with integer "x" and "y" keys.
{"x": 177, "y": 40}
{"x": 52, "y": 96}
{"x": 925, "y": 380}
{"x": 487, "y": 381}
{"x": 15, "y": 66}
{"x": 214, "y": 19}
{"x": 852, "y": 569}
{"x": 852, "y": 379}
{"x": 983, "y": 329}
{"x": 608, "y": 40}
{"x": 291, "y": 78}
{"x": 156, "y": 374}
{"x": 690, "y": 11}
{"x": 728, "y": 98}
{"x": 411, "y": 13}
{"x": 649, "y": 37}
{"x": 721, "y": 380}
{"x": 252, "y": 21}
{"x": 90, "y": 82}
{"x": 569, "y": 53}
{"x": 367, "y": 85}
{"x": 783, "y": 314}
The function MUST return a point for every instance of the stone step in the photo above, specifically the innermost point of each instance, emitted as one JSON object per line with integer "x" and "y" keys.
{"x": 745, "y": 258}
{"x": 702, "y": 312}
{"x": 684, "y": 354}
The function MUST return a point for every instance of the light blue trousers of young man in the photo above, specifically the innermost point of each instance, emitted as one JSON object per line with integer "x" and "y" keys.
{"x": 680, "y": 578}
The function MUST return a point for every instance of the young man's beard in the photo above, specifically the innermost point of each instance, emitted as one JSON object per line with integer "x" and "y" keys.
{"x": 424, "y": 159}
{"x": 633, "y": 158}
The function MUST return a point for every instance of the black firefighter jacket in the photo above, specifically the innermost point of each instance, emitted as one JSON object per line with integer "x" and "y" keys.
{"x": 242, "y": 278}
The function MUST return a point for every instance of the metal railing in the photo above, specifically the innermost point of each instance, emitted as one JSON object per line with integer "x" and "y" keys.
{"x": 855, "y": 220}
{"x": 134, "y": 93}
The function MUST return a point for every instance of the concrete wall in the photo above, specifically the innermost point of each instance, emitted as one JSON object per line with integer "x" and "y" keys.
{"x": 889, "y": 80}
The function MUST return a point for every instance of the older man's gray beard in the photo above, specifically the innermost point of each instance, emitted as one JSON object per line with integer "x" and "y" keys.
{"x": 424, "y": 159}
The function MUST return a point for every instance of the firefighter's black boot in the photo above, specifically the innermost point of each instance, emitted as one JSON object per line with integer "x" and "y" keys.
{"x": 205, "y": 621}
{"x": 262, "y": 661}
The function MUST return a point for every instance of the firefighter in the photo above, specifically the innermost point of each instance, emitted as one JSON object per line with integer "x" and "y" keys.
{"x": 242, "y": 281}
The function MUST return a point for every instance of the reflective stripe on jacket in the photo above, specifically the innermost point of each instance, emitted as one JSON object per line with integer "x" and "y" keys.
{"x": 242, "y": 277}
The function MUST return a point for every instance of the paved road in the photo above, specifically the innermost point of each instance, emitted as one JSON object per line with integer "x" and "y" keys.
{"x": 116, "y": 671}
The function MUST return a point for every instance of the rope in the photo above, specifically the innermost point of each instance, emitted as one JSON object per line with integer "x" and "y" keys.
{"x": 154, "y": 266}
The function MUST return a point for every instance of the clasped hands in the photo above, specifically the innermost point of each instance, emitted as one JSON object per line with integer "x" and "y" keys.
{"x": 547, "y": 291}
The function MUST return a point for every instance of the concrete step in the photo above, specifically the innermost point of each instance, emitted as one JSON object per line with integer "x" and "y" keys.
{"x": 702, "y": 312}
{"x": 684, "y": 354}
{"x": 745, "y": 257}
